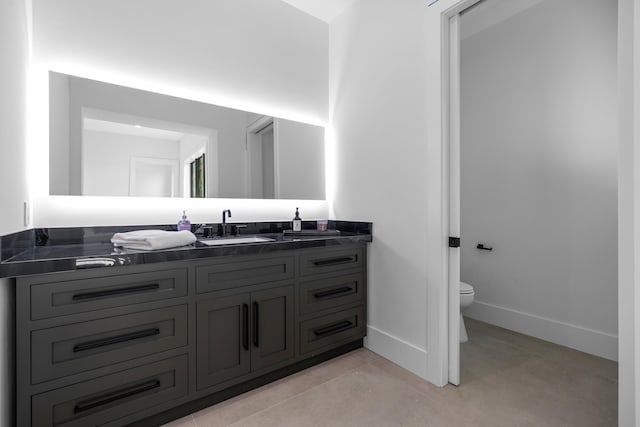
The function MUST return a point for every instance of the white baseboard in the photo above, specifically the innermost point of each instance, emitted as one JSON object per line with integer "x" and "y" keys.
{"x": 396, "y": 350}
{"x": 579, "y": 338}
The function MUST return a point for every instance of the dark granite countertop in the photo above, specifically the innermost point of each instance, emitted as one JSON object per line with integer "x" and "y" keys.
{"x": 83, "y": 248}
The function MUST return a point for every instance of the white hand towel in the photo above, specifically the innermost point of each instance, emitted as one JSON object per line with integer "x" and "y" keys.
{"x": 150, "y": 240}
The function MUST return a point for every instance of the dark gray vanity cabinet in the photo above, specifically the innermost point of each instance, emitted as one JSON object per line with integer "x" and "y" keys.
{"x": 272, "y": 326}
{"x": 331, "y": 298}
{"x": 114, "y": 346}
{"x": 110, "y": 400}
{"x": 242, "y": 333}
{"x": 101, "y": 347}
{"x": 223, "y": 348}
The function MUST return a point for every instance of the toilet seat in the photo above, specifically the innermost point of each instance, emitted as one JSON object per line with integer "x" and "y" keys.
{"x": 465, "y": 288}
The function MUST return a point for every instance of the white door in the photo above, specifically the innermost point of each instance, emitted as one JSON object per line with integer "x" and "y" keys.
{"x": 454, "y": 199}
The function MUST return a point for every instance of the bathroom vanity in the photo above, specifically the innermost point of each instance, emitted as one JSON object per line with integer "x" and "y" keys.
{"x": 146, "y": 341}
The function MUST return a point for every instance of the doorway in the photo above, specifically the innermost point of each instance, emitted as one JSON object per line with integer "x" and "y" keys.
{"x": 535, "y": 170}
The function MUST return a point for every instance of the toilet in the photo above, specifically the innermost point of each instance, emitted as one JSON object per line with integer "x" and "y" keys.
{"x": 466, "y": 299}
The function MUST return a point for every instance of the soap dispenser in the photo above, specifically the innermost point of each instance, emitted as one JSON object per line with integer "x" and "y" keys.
{"x": 297, "y": 222}
{"x": 184, "y": 223}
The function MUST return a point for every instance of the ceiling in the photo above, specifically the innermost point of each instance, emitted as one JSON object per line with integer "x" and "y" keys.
{"x": 486, "y": 13}
{"x": 131, "y": 129}
{"x": 325, "y": 10}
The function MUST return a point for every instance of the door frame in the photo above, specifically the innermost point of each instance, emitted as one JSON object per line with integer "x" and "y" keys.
{"x": 443, "y": 302}
{"x": 437, "y": 21}
{"x": 450, "y": 150}
{"x": 452, "y": 163}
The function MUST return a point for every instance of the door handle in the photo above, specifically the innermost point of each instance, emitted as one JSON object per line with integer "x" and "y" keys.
{"x": 331, "y": 261}
{"x": 245, "y": 326}
{"x": 113, "y": 292}
{"x": 115, "y": 396}
{"x": 256, "y": 324}
{"x": 331, "y": 292}
{"x": 89, "y": 345}
{"x": 340, "y": 326}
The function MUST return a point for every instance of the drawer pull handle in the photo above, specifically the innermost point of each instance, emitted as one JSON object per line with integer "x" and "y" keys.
{"x": 332, "y": 292}
{"x": 341, "y": 260}
{"x": 344, "y": 325}
{"x": 115, "y": 340}
{"x": 245, "y": 326}
{"x": 112, "y": 292}
{"x": 115, "y": 396}
{"x": 256, "y": 324}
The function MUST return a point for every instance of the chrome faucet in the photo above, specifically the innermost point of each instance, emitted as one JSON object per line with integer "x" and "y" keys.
{"x": 222, "y": 231}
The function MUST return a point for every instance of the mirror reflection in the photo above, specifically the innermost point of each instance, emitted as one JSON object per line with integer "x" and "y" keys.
{"x": 110, "y": 140}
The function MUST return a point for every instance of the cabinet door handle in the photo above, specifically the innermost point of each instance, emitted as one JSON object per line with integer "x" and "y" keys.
{"x": 332, "y": 292}
{"x": 341, "y": 326}
{"x": 325, "y": 262}
{"x": 115, "y": 396}
{"x": 256, "y": 324}
{"x": 245, "y": 326}
{"x": 115, "y": 340}
{"x": 112, "y": 292}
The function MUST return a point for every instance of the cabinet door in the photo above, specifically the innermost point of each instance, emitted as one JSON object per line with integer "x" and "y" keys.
{"x": 70, "y": 349}
{"x": 331, "y": 260}
{"x": 223, "y": 348}
{"x": 330, "y": 292}
{"x": 330, "y": 331}
{"x": 109, "y": 398}
{"x": 272, "y": 326}
{"x": 228, "y": 274}
{"x": 55, "y": 295}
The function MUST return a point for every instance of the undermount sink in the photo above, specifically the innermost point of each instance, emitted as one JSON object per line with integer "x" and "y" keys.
{"x": 235, "y": 240}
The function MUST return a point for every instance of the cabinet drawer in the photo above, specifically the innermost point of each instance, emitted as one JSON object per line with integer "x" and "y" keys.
{"x": 70, "y": 349}
{"x": 331, "y": 330}
{"x": 109, "y": 398}
{"x": 328, "y": 261}
{"x": 58, "y": 298}
{"x": 331, "y": 292}
{"x": 233, "y": 274}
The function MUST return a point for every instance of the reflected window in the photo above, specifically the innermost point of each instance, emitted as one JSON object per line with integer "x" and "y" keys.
{"x": 197, "y": 177}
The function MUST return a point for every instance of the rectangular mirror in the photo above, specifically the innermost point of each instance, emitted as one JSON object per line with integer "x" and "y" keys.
{"x": 110, "y": 140}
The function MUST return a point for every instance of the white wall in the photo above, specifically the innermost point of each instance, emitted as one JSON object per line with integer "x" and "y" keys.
{"x": 377, "y": 112}
{"x": 539, "y": 172}
{"x": 14, "y": 51}
{"x": 107, "y": 156}
{"x": 299, "y": 150}
{"x": 14, "y": 54}
{"x": 254, "y": 55}
{"x": 59, "y": 134}
{"x": 385, "y": 82}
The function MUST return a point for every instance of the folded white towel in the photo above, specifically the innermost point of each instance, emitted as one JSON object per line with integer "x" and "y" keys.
{"x": 150, "y": 240}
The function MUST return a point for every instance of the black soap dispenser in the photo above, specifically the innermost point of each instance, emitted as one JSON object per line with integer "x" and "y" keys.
{"x": 297, "y": 222}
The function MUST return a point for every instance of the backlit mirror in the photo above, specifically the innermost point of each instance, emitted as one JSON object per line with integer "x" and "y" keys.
{"x": 110, "y": 140}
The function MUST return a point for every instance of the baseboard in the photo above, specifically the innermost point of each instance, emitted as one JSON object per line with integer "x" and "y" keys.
{"x": 396, "y": 350}
{"x": 577, "y": 337}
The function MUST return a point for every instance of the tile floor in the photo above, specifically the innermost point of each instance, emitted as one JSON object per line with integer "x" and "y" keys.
{"x": 508, "y": 379}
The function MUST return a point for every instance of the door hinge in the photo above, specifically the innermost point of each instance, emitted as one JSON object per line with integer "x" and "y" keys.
{"x": 454, "y": 242}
